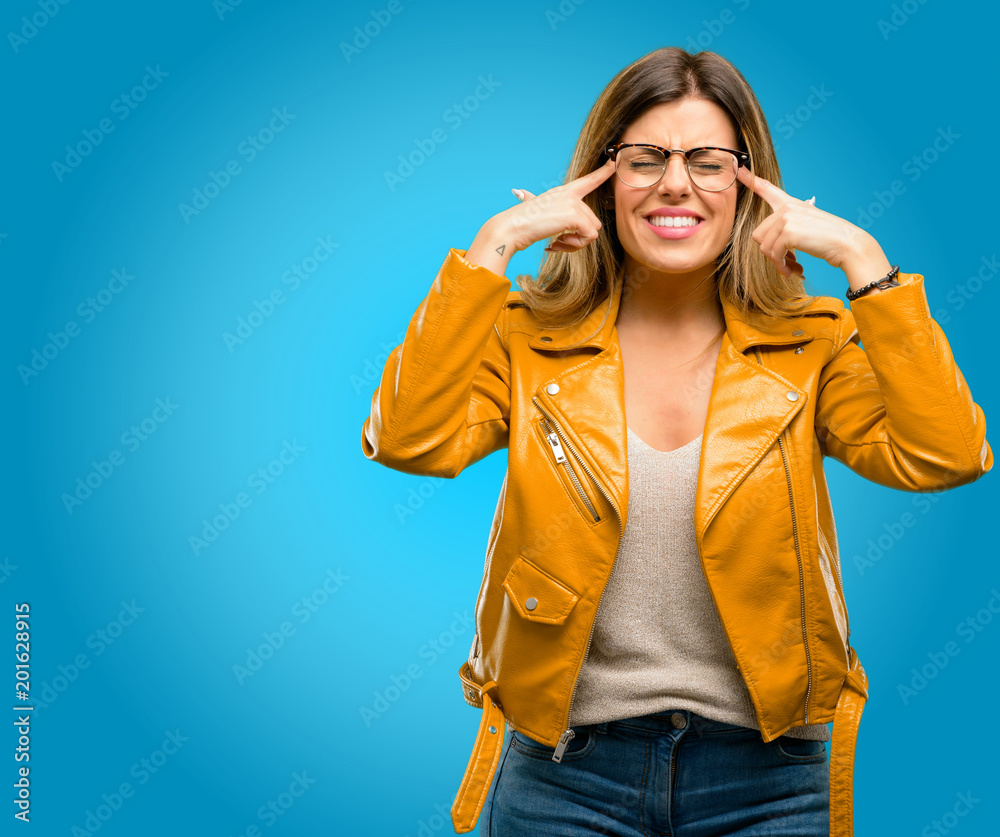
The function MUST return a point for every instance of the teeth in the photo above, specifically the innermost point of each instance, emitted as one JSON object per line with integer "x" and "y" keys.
{"x": 670, "y": 221}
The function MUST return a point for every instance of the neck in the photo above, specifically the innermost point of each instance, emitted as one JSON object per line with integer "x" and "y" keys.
{"x": 682, "y": 305}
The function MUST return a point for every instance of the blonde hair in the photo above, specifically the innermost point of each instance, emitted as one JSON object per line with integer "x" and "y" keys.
{"x": 571, "y": 285}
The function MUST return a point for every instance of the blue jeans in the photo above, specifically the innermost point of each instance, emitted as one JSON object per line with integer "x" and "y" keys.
{"x": 667, "y": 774}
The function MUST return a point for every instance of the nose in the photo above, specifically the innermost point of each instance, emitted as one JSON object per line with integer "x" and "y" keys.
{"x": 675, "y": 180}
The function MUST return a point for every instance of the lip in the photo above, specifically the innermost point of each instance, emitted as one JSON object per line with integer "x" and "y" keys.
{"x": 675, "y": 232}
{"x": 673, "y": 212}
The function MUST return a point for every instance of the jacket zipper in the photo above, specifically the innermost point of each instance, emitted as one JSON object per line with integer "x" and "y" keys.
{"x": 561, "y": 459}
{"x": 564, "y": 739}
{"x": 798, "y": 556}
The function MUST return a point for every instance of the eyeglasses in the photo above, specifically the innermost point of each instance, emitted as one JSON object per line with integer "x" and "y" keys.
{"x": 641, "y": 165}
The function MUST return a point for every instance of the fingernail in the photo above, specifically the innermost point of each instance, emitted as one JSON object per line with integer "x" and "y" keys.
{"x": 518, "y": 194}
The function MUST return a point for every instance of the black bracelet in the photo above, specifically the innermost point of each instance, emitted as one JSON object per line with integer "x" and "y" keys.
{"x": 887, "y": 281}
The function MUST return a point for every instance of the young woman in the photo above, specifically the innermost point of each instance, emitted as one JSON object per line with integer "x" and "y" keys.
{"x": 661, "y": 630}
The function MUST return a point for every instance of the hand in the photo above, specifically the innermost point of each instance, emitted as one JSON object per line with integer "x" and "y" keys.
{"x": 559, "y": 212}
{"x": 798, "y": 225}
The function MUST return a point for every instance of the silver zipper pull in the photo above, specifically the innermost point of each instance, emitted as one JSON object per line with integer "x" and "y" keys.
{"x": 557, "y": 447}
{"x": 561, "y": 746}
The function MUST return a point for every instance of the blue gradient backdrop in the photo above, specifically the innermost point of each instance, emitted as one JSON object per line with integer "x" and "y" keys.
{"x": 306, "y": 656}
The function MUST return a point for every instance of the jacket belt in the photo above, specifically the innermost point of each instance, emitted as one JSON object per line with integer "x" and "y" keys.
{"x": 492, "y": 726}
{"x": 485, "y": 753}
{"x": 845, "y": 733}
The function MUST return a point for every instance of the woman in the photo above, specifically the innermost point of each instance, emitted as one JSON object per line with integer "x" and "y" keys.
{"x": 661, "y": 622}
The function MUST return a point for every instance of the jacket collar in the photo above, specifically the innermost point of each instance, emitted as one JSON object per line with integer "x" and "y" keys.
{"x": 742, "y": 332}
{"x": 735, "y": 439}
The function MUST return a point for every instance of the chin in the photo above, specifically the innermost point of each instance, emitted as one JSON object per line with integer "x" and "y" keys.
{"x": 678, "y": 260}
{"x": 673, "y": 265}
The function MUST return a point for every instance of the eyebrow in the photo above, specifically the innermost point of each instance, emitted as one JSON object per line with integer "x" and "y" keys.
{"x": 699, "y": 145}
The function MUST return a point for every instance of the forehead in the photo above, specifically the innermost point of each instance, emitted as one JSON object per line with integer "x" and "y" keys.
{"x": 686, "y": 123}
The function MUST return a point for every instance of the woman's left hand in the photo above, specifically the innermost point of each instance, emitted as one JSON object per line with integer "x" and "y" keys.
{"x": 798, "y": 225}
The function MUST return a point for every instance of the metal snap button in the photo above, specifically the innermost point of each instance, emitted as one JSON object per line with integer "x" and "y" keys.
{"x": 677, "y": 719}
{"x": 552, "y": 389}
{"x": 531, "y": 603}
{"x": 545, "y": 339}
{"x": 492, "y": 728}
{"x": 799, "y": 350}
{"x": 791, "y": 395}
{"x": 798, "y": 333}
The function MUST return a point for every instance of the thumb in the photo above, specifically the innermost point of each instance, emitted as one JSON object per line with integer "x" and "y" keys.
{"x": 522, "y": 194}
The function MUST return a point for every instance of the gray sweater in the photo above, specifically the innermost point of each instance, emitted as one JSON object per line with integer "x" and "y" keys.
{"x": 658, "y": 642}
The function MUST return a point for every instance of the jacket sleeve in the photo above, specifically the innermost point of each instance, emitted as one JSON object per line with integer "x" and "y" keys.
{"x": 443, "y": 401}
{"x": 899, "y": 411}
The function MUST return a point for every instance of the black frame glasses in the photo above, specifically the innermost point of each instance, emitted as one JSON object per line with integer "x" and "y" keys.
{"x": 742, "y": 159}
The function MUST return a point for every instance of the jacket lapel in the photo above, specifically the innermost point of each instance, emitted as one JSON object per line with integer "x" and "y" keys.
{"x": 749, "y": 407}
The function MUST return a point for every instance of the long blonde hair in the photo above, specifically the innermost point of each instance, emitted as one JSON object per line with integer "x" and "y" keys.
{"x": 572, "y": 285}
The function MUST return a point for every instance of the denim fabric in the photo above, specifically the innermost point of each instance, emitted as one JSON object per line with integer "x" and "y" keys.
{"x": 667, "y": 774}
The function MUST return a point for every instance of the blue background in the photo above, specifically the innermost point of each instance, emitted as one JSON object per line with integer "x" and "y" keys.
{"x": 110, "y": 682}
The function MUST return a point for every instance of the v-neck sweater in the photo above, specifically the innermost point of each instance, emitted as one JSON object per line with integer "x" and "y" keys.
{"x": 658, "y": 642}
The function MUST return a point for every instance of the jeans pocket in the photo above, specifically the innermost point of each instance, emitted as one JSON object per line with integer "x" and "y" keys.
{"x": 799, "y": 750}
{"x": 579, "y": 746}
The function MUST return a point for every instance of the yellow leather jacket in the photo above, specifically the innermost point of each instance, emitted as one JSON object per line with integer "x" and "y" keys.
{"x": 477, "y": 373}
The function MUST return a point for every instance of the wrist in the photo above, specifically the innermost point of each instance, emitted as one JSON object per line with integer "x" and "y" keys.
{"x": 492, "y": 247}
{"x": 865, "y": 263}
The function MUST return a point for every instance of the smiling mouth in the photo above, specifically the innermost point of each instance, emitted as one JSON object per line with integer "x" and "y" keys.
{"x": 673, "y": 220}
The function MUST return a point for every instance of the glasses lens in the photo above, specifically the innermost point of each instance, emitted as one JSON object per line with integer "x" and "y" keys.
{"x": 639, "y": 167}
{"x": 713, "y": 170}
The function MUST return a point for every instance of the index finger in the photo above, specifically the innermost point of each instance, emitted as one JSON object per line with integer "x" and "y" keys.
{"x": 590, "y": 181}
{"x": 774, "y": 195}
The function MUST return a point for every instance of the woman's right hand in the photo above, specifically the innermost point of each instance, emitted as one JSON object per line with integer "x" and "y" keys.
{"x": 559, "y": 212}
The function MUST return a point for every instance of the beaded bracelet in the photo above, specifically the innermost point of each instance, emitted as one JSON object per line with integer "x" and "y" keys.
{"x": 888, "y": 281}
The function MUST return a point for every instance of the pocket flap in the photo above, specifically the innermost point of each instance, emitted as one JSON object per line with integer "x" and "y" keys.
{"x": 537, "y": 595}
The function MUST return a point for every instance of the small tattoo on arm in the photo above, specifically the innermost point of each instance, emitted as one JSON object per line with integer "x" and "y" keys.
{"x": 501, "y": 248}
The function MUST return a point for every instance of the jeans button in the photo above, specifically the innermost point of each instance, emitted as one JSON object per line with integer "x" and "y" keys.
{"x": 677, "y": 719}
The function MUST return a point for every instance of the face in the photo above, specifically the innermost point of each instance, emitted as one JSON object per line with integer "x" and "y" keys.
{"x": 687, "y": 123}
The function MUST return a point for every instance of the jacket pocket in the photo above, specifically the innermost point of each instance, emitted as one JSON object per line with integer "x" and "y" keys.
{"x": 536, "y": 595}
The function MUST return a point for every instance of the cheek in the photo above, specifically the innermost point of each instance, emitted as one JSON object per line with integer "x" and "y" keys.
{"x": 726, "y": 213}
{"x": 625, "y": 206}
{"x": 725, "y": 218}
{"x": 722, "y": 204}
